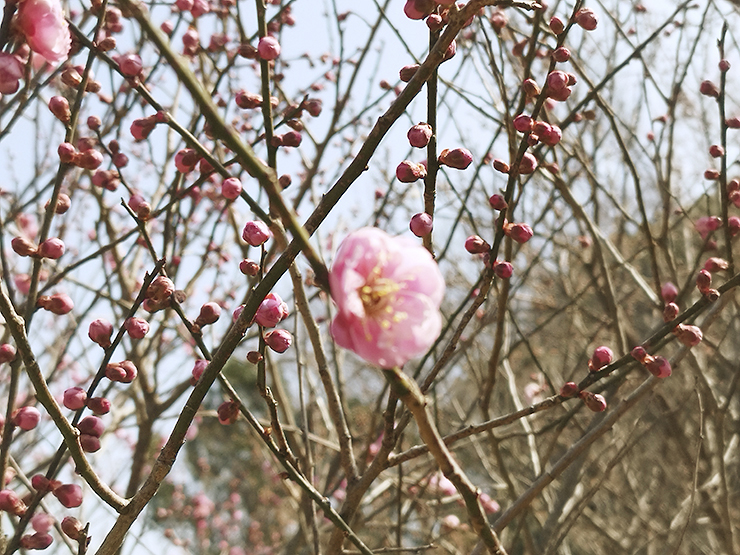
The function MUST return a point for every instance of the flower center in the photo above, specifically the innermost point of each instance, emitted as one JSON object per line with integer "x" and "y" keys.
{"x": 377, "y": 294}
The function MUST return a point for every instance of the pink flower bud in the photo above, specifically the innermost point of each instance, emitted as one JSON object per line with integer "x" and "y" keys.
{"x": 561, "y": 55}
{"x": 418, "y": 9}
{"x": 593, "y": 401}
{"x": 90, "y": 160}
{"x": 639, "y": 353}
{"x": 703, "y": 280}
{"x": 209, "y": 314}
{"x": 254, "y": 357}
{"x": 670, "y": 311}
{"x": 256, "y": 233}
{"x": 602, "y": 357}
{"x": 503, "y": 269}
{"x": 476, "y": 245}
{"x": 313, "y": 106}
{"x": 521, "y": 233}
{"x": 59, "y": 106}
{"x": 711, "y": 175}
{"x": 66, "y": 152}
{"x": 498, "y": 20}
{"x": 556, "y": 25}
{"x": 98, "y": 405}
{"x": 142, "y": 208}
{"x": 231, "y": 188}
{"x": 11, "y": 503}
{"x": 72, "y": 527}
{"x": 237, "y": 312}
{"x": 69, "y": 495}
{"x": 707, "y": 88}
{"x": 716, "y": 151}
{"x": 669, "y": 292}
{"x": 724, "y": 65}
{"x": 185, "y": 160}
{"x": 451, "y": 51}
{"x": 23, "y": 246}
{"x": 419, "y": 135}
{"x": 523, "y": 123}
{"x": 249, "y": 267}
{"x": 497, "y": 202}
{"x": 586, "y": 18}
{"x": 435, "y": 22}
{"x": 733, "y": 222}
{"x": 659, "y": 367}
{"x": 160, "y": 289}
{"x": 569, "y": 389}
{"x": 248, "y": 101}
{"x": 41, "y": 483}
{"x": 89, "y": 443}
{"x": 7, "y": 353}
{"x": 59, "y": 303}
{"x": 141, "y": 128}
{"x": 407, "y": 72}
{"x": 91, "y": 425}
{"x": 291, "y": 138}
{"x": 458, "y": 158}
{"x": 63, "y": 204}
{"x": 136, "y": 327}
{"x": 198, "y": 368}
{"x": 228, "y": 413}
{"x": 408, "y": 172}
{"x": 74, "y": 398}
{"x": 557, "y": 80}
{"x": 715, "y": 264}
{"x": 421, "y": 224}
{"x": 36, "y": 541}
{"x": 551, "y": 136}
{"x": 530, "y": 88}
{"x": 528, "y": 164}
{"x": 51, "y": 248}
{"x": 42, "y": 523}
{"x": 268, "y": 48}
{"x": 690, "y": 336}
{"x": 271, "y": 312}
{"x": 100, "y": 332}
{"x": 278, "y": 340}
{"x": 130, "y": 64}
{"x": 26, "y": 418}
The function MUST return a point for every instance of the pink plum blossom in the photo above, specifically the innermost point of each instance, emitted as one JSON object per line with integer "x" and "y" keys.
{"x": 46, "y": 30}
{"x": 279, "y": 340}
{"x": 387, "y": 291}
{"x": 256, "y": 233}
{"x": 272, "y": 311}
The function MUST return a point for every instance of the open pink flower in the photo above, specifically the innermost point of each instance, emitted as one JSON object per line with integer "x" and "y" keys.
{"x": 11, "y": 72}
{"x": 388, "y": 291}
{"x": 47, "y": 32}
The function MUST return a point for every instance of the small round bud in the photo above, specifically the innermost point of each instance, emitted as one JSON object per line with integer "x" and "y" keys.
{"x": 528, "y": 164}
{"x": 72, "y": 527}
{"x": 11, "y": 503}
{"x": 52, "y": 248}
{"x": 409, "y": 172}
{"x": 503, "y": 269}
{"x": 271, "y": 311}
{"x": 602, "y": 357}
{"x": 639, "y": 353}
{"x": 703, "y": 280}
{"x": 497, "y": 202}
{"x": 228, "y": 413}
{"x": 75, "y": 398}
{"x": 256, "y": 233}
{"x": 569, "y": 389}
{"x": 716, "y": 151}
{"x": 91, "y": 425}
{"x": 89, "y": 443}
{"x": 130, "y": 64}
{"x": 231, "y": 188}
{"x": 59, "y": 106}
{"x": 523, "y": 123}
{"x": 23, "y": 246}
{"x": 254, "y": 357}
{"x": 421, "y": 224}
{"x": 249, "y": 267}
{"x": 715, "y": 264}
{"x": 708, "y": 88}
{"x": 556, "y": 25}
{"x": 561, "y": 54}
{"x": 7, "y": 352}
{"x": 724, "y": 66}
{"x": 419, "y": 135}
{"x": 476, "y": 245}
{"x": 69, "y": 495}
{"x": 268, "y": 48}
{"x": 669, "y": 292}
{"x": 500, "y": 166}
{"x": 689, "y": 335}
{"x": 26, "y": 418}
{"x": 279, "y": 340}
{"x": 99, "y": 405}
{"x": 407, "y": 72}
{"x": 586, "y": 18}
{"x": 137, "y": 328}
{"x": 670, "y": 311}
{"x": 198, "y": 368}
{"x": 659, "y": 367}
{"x": 209, "y": 314}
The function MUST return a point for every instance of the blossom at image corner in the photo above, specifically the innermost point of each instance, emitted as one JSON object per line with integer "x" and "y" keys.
{"x": 387, "y": 291}
{"x": 46, "y": 31}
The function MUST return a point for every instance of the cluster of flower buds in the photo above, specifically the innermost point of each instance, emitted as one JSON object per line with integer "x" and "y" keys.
{"x": 704, "y": 285}
{"x": 602, "y": 357}
{"x": 91, "y": 428}
{"x": 40, "y": 539}
{"x": 86, "y": 157}
{"x": 123, "y": 372}
{"x": 291, "y": 138}
{"x": 658, "y": 366}
{"x": 52, "y": 248}
{"x": 538, "y": 131}
{"x": 75, "y": 398}
{"x": 158, "y": 296}
{"x": 69, "y": 495}
{"x": 437, "y": 14}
